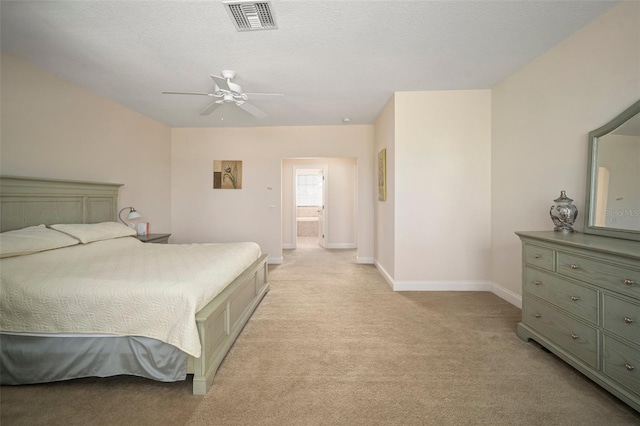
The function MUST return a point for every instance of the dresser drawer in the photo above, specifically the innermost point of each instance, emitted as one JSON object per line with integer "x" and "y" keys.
{"x": 616, "y": 278}
{"x": 575, "y": 298}
{"x": 622, "y": 318}
{"x": 541, "y": 257}
{"x": 621, "y": 362}
{"x": 572, "y": 335}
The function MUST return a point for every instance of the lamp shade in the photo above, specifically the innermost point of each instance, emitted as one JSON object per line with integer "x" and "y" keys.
{"x": 133, "y": 214}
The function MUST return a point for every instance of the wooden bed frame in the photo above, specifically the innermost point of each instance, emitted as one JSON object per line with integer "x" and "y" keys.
{"x": 26, "y": 201}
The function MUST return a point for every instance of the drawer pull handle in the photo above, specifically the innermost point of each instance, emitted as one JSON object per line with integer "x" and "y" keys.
{"x": 536, "y": 282}
{"x": 574, "y": 336}
{"x": 628, "y": 282}
{"x": 537, "y": 256}
{"x": 575, "y": 298}
{"x": 628, "y": 320}
{"x": 628, "y": 367}
{"x": 537, "y": 315}
{"x": 574, "y": 266}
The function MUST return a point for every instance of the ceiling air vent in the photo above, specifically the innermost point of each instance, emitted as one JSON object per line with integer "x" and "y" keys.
{"x": 251, "y": 15}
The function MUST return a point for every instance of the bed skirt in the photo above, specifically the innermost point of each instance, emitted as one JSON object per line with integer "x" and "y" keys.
{"x": 28, "y": 359}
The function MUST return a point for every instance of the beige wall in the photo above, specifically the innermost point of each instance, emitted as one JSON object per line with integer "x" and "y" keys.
{"x": 541, "y": 116}
{"x": 442, "y": 189}
{"x": 202, "y": 214}
{"x": 384, "y": 230}
{"x": 433, "y": 232}
{"x": 52, "y": 128}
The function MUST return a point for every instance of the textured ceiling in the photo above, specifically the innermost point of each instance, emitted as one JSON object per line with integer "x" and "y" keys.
{"x": 331, "y": 59}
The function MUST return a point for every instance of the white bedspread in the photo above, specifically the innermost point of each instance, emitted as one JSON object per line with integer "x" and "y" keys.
{"x": 119, "y": 286}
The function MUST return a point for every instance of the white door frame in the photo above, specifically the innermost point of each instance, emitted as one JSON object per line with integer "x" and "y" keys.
{"x": 325, "y": 171}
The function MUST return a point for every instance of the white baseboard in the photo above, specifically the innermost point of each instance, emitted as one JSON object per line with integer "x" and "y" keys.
{"x": 341, "y": 245}
{"x": 275, "y": 260}
{"x": 290, "y": 246}
{"x": 501, "y": 292}
{"x": 364, "y": 260}
{"x": 442, "y": 286}
{"x": 508, "y": 295}
{"x": 385, "y": 274}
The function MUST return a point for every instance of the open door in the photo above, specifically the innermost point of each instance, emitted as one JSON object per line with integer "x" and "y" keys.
{"x": 321, "y": 211}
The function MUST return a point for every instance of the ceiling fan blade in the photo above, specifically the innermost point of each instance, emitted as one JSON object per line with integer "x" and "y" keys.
{"x": 222, "y": 83}
{"x": 186, "y": 93}
{"x": 209, "y": 109}
{"x": 252, "y": 110}
{"x": 263, "y": 95}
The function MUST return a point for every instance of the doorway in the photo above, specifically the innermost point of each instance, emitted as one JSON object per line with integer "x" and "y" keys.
{"x": 335, "y": 225}
{"x": 310, "y": 206}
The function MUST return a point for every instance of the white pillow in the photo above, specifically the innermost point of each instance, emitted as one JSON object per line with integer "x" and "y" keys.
{"x": 32, "y": 240}
{"x": 89, "y": 232}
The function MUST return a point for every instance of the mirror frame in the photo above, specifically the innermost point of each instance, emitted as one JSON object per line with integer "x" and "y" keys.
{"x": 592, "y": 173}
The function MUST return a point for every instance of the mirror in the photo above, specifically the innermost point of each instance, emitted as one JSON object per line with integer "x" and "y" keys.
{"x": 613, "y": 177}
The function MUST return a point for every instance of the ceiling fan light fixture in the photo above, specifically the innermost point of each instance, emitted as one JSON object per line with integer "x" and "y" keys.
{"x": 251, "y": 15}
{"x": 226, "y": 91}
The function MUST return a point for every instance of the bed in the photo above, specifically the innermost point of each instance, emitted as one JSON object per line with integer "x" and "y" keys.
{"x": 102, "y": 303}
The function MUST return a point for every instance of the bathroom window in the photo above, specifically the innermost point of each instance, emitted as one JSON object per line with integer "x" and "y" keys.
{"x": 309, "y": 190}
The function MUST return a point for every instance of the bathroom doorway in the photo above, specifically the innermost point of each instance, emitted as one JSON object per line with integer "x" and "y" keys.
{"x": 310, "y": 206}
{"x": 331, "y": 227}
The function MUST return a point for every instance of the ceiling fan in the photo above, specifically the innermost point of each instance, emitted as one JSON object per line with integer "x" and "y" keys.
{"x": 226, "y": 91}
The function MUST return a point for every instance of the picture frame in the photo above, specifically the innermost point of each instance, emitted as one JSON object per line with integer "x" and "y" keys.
{"x": 227, "y": 174}
{"x": 382, "y": 175}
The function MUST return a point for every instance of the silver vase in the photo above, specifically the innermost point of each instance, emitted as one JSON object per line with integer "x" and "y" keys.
{"x": 563, "y": 213}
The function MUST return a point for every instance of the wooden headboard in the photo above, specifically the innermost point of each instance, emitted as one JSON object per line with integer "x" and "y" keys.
{"x": 28, "y": 201}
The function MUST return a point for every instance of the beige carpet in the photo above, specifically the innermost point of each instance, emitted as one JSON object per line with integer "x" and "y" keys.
{"x": 331, "y": 344}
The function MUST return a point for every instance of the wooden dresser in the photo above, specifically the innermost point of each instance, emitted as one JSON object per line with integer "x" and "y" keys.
{"x": 581, "y": 300}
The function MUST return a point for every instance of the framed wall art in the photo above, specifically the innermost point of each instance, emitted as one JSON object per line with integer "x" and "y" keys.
{"x": 382, "y": 175}
{"x": 227, "y": 174}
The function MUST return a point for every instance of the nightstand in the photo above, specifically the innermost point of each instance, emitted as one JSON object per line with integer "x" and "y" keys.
{"x": 154, "y": 238}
